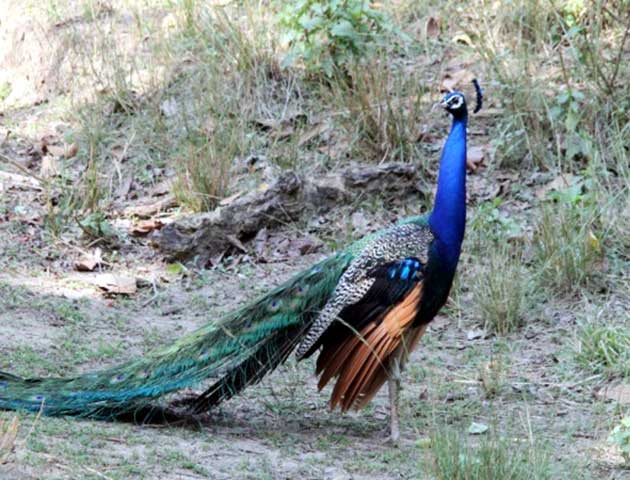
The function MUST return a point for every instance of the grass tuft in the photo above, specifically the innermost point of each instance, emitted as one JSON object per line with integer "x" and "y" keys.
{"x": 455, "y": 457}
{"x": 206, "y": 164}
{"x": 382, "y": 109}
{"x": 502, "y": 292}
{"x": 567, "y": 247}
{"x": 604, "y": 349}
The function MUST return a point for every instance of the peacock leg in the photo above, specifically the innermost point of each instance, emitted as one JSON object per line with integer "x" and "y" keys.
{"x": 393, "y": 382}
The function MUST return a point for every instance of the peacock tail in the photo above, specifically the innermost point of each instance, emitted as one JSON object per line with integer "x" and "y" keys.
{"x": 238, "y": 349}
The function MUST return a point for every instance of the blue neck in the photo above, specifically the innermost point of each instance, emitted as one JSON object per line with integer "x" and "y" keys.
{"x": 448, "y": 218}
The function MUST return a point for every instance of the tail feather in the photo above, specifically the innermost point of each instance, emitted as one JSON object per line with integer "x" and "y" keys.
{"x": 236, "y": 350}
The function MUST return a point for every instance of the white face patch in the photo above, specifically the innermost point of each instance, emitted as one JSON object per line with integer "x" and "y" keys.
{"x": 455, "y": 102}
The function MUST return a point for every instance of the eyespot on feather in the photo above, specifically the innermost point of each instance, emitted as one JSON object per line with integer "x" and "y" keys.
{"x": 275, "y": 305}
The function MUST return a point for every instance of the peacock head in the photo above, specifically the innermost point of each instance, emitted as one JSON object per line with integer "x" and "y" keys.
{"x": 455, "y": 102}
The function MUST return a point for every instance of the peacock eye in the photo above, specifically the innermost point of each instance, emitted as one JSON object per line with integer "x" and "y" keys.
{"x": 300, "y": 290}
{"x": 274, "y": 306}
{"x": 118, "y": 378}
{"x": 38, "y": 398}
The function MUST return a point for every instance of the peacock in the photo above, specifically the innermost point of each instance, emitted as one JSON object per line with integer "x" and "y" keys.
{"x": 363, "y": 310}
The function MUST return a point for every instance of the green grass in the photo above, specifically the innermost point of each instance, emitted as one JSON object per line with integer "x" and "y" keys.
{"x": 453, "y": 456}
{"x": 604, "y": 348}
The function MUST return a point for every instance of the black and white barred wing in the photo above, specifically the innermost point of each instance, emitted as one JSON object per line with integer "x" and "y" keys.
{"x": 393, "y": 245}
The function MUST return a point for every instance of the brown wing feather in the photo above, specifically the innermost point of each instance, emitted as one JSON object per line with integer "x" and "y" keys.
{"x": 360, "y": 362}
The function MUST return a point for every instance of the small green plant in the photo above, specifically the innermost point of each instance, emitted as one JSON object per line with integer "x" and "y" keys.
{"x": 492, "y": 376}
{"x": 604, "y": 349}
{"x": 325, "y": 34}
{"x": 95, "y": 225}
{"x": 490, "y": 226}
{"x": 501, "y": 284}
{"x": 453, "y": 457}
{"x": 620, "y": 438}
{"x": 5, "y": 91}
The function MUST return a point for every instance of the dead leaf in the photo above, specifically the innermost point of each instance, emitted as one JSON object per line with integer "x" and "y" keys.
{"x": 462, "y": 37}
{"x": 236, "y": 243}
{"x": 337, "y": 149}
{"x": 490, "y": 112}
{"x": 10, "y": 180}
{"x": 89, "y": 262}
{"x": 561, "y": 182}
{"x": 56, "y": 150}
{"x": 425, "y": 135}
{"x": 116, "y": 284}
{"x": 49, "y": 167}
{"x": 283, "y": 128}
{"x": 162, "y": 188}
{"x": 118, "y": 152}
{"x": 260, "y": 242}
{"x": 146, "y": 211}
{"x": 475, "y": 334}
{"x": 72, "y": 150}
{"x": 144, "y": 227}
{"x": 477, "y": 428}
{"x": 308, "y": 244}
{"x": 474, "y": 157}
{"x": 359, "y": 223}
{"x": 169, "y": 107}
{"x": 124, "y": 187}
{"x": 266, "y": 124}
{"x": 432, "y": 28}
{"x": 282, "y": 134}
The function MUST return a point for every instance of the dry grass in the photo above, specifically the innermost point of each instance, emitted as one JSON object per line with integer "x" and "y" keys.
{"x": 9, "y": 427}
{"x": 503, "y": 292}
{"x": 382, "y": 107}
{"x": 567, "y": 246}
